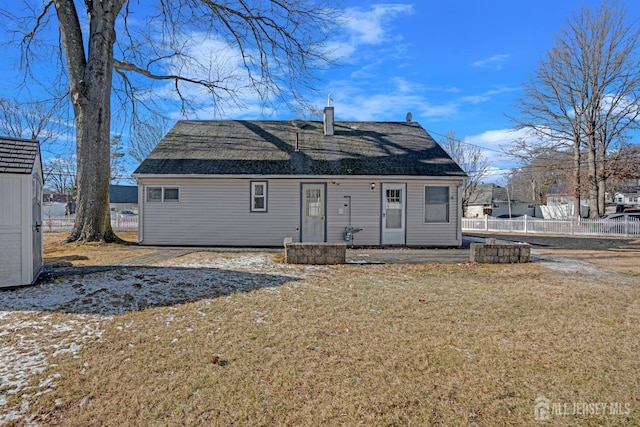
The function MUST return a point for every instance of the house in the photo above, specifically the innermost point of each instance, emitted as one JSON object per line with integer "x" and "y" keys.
{"x": 496, "y": 201}
{"x": 628, "y": 199}
{"x": 254, "y": 183}
{"x": 20, "y": 212}
{"x": 560, "y": 198}
{"x": 560, "y": 194}
{"x": 123, "y": 197}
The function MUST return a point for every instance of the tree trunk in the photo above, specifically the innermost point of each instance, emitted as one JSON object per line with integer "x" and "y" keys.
{"x": 93, "y": 222}
{"x": 90, "y": 79}
{"x": 576, "y": 179}
{"x": 602, "y": 175}
{"x": 593, "y": 183}
{"x": 602, "y": 188}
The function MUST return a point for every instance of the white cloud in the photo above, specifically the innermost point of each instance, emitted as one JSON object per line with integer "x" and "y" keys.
{"x": 394, "y": 98}
{"x": 212, "y": 58}
{"x": 495, "y": 139}
{"x": 209, "y": 58}
{"x": 494, "y": 144}
{"x": 367, "y": 27}
{"x": 495, "y": 61}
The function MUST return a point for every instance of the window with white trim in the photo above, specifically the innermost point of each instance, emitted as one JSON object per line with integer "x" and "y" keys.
{"x": 436, "y": 204}
{"x": 170, "y": 194}
{"x": 258, "y": 196}
{"x": 163, "y": 194}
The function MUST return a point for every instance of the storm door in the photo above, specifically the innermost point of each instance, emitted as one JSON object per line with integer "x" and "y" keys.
{"x": 393, "y": 214}
{"x": 313, "y": 213}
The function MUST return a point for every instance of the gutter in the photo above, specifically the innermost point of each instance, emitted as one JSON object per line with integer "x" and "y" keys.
{"x": 336, "y": 177}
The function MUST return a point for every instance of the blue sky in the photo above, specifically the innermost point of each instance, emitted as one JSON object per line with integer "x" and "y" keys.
{"x": 455, "y": 65}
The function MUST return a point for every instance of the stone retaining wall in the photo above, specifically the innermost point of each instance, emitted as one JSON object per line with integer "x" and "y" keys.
{"x": 498, "y": 252}
{"x": 314, "y": 253}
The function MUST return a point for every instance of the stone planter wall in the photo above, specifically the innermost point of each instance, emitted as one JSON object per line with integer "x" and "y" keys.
{"x": 314, "y": 253}
{"x": 496, "y": 252}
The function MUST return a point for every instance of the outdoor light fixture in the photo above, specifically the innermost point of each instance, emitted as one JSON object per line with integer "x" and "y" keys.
{"x": 373, "y": 186}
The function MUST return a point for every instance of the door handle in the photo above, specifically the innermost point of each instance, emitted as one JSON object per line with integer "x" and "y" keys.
{"x": 38, "y": 226}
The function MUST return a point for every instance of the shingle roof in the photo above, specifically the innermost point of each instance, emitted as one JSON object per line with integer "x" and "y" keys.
{"x": 17, "y": 155}
{"x": 247, "y": 147}
{"x": 486, "y": 194}
{"x": 559, "y": 189}
{"x": 123, "y": 194}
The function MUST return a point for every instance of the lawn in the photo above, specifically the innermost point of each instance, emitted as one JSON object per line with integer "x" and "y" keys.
{"x": 242, "y": 339}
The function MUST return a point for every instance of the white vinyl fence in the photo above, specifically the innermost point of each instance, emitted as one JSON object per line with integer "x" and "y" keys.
{"x": 65, "y": 223}
{"x": 571, "y": 227}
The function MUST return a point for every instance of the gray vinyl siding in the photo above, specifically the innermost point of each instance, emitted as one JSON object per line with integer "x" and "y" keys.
{"x": 216, "y": 212}
{"x": 420, "y": 233}
{"x": 365, "y": 211}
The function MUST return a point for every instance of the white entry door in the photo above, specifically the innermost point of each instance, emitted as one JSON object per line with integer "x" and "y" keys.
{"x": 393, "y": 213}
{"x": 313, "y": 213}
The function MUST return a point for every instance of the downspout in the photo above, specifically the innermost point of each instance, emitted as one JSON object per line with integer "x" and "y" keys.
{"x": 140, "y": 210}
{"x": 460, "y": 211}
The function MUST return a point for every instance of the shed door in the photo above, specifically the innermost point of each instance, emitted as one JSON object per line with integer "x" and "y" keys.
{"x": 393, "y": 214}
{"x": 313, "y": 213}
{"x": 36, "y": 226}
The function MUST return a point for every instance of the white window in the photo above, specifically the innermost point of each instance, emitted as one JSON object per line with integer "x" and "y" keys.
{"x": 258, "y": 196}
{"x": 171, "y": 194}
{"x": 154, "y": 194}
{"x": 436, "y": 204}
{"x": 163, "y": 194}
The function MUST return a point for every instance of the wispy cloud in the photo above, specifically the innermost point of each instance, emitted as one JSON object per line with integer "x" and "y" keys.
{"x": 370, "y": 26}
{"x": 495, "y": 61}
{"x": 391, "y": 100}
{"x": 399, "y": 97}
{"x": 495, "y": 142}
{"x": 210, "y": 58}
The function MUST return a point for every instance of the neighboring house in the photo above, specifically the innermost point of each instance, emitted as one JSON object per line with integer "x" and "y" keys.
{"x": 559, "y": 204}
{"x": 50, "y": 196}
{"x": 559, "y": 194}
{"x": 254, "y": 183}
{"x": 496, "y": 201}
{"x": 560, "y": 198}
{"x": 123, "y": 197}
{"x": 20, "y": 212}
{"x": 629, "y": 198}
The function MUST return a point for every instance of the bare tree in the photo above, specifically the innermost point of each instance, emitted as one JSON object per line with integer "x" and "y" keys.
{"x": 145, "y": 136}
{"x": 264, "y": 47}
{"x": 623, "y": 166}
{"x": 30, "y": 119}
{"x": 116, "y": 165}
{"x": 586, "y": 93}
{"x": 471, "y": 159}
{"x": 540, "y": 171}
{"x": 59, "y": 175}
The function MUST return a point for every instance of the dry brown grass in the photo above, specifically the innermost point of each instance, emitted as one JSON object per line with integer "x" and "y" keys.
{"x": 624, "y": 259}
{"x": 59, "y": 253}
{"x": 366, "y": 345}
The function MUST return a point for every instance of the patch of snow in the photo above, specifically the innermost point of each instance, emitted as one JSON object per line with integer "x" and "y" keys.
{"x": 63, "y": 315}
